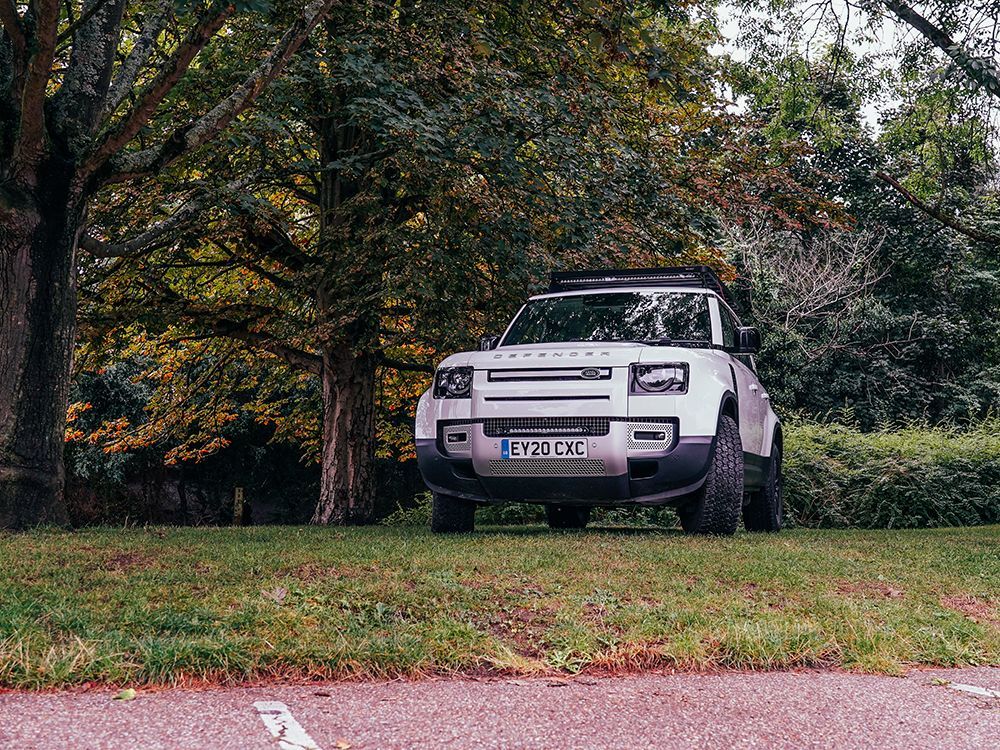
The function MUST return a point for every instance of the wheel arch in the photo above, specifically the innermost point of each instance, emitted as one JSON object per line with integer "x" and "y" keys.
{"x": 773, "y": 435}
{"x": 730, "y": 407}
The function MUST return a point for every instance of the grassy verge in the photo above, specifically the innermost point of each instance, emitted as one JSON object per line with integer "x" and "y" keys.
{"x": 228, "y": 605}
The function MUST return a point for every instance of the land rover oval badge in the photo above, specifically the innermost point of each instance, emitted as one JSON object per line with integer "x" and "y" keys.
{"x": 590, "y": 373}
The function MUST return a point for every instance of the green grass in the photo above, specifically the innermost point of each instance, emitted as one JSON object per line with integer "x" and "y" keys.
{"x": 167, "y": 606}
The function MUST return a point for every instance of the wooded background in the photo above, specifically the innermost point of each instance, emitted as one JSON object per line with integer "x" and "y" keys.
{"x": 236, "y": 237}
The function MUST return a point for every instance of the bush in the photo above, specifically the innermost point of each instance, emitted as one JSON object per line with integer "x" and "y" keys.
{"x": 836, "y": 476}
{"x": 905, "y": 478}
{"x": 418, "y": 513}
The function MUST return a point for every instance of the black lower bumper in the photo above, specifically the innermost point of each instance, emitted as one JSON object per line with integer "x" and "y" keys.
{"x": 649, "y": 481}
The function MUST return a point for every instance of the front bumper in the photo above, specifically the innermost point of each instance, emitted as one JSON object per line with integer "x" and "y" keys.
{"x": 652, "y": 478}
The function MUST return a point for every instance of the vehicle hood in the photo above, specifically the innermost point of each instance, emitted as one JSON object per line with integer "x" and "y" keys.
{"x": 581, "y": 354}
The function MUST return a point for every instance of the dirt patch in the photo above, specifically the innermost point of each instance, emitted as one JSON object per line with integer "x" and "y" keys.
{"x": 128, "y": 561}
{"x": 520, "y": 628}
{"x": 975, "y": 609}
{"x": 876, "y": 589}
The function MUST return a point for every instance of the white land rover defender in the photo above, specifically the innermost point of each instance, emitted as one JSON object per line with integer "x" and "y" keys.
{"x": 616, "y": 388}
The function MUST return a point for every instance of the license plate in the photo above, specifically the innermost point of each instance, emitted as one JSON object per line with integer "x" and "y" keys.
{"x": 543, "y": 448}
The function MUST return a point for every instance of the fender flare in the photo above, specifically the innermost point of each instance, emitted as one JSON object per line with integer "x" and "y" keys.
{"x": 773, "y": 433}
{"x": 777, "y": 436}
{"x": 730, "y": 404}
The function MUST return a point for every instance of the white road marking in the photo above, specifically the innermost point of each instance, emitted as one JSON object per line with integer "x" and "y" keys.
{"x": 283, "y": 726}
{"x": 975, "y": 690}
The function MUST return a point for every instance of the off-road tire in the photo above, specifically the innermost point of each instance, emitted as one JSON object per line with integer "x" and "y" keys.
{"x": 567, "y": 516}
{"x": 715, "y": 508}
{"x": 766, "y": 509}
{"x": 452, "y": 515}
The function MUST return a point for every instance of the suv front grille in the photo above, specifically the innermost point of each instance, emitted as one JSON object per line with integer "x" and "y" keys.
{"x": 545, "y": 467}
{"x": 546, "y": 426}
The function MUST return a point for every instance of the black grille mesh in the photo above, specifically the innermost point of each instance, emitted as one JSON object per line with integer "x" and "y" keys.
{"x": 546, "y": 426}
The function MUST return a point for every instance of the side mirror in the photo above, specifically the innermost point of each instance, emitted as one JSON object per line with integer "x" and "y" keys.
{"x": 749, "y": 340}
{"x": 486, "y": 343}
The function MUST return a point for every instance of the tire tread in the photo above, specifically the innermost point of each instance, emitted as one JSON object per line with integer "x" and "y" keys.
{"x": 452, "y": 515}
{"x": 760, "y": 514}
{"x": 567, "y": 517}
{"x": 716, "y": 506}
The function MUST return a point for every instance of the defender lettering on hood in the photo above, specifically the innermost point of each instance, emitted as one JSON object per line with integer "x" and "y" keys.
{"x": 539, "y": 355}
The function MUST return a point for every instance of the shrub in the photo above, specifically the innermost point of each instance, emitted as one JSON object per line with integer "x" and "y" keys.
{"x": 905, "y": 478}
{"x": 836, "y": 476}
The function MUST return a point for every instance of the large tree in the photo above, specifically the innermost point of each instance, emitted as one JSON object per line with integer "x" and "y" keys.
{"x": 945, "y": 46}
{"x": 422, "y": 165}
{"x": 89, "y": 99}
{"x": 894, "y": 321}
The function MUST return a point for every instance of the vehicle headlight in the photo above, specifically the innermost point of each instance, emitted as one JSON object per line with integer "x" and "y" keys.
{"x": 671, "y": 377}
{"x": 453, "y": 382}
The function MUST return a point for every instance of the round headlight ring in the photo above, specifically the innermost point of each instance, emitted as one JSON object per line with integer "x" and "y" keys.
{"x": 459, "y": 382}
{"x": 658, "y": 378}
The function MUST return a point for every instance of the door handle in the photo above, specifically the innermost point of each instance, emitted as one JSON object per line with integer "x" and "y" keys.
{"x": 753, "y": 387}
{"x": 766, "y": 396}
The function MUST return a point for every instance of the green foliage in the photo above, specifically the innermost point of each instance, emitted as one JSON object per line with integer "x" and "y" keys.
{"x": 917, "y": 476}
{"x": 415, "y": 513}
{"x": 923, "y": 343}
{"x": 418, "y": 513}
{"x": 472, "y": 148}
{"x": 418, "y": 170}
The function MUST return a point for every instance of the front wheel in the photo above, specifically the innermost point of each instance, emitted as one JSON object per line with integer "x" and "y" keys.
{"x": 452, "y": 515}
{"x": 766, "y": 509}
{"x": 567, "y": 516}
{"x": 715, "y": 508}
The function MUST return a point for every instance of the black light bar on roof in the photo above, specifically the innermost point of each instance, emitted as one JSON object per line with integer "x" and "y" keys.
{"x": 701, "y": 277}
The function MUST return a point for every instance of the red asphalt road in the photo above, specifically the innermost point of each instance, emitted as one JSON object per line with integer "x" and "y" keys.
{"x": 729, "y": 710}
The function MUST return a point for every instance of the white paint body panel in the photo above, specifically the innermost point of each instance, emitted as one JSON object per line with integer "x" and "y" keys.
{"x": 714, "y": 376}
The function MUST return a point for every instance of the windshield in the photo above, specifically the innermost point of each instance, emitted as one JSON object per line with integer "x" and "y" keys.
{"x": 650, "y": 317}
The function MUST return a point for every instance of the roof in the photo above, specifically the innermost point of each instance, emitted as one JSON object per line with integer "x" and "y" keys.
{"x": 701, "y": 277}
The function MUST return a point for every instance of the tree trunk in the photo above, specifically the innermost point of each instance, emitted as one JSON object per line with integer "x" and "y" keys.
{"x": 38, "y": 239}
{"x": 347, "y": 490}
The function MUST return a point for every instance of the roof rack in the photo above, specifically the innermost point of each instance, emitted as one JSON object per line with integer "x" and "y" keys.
{"x": 701, "y": 277}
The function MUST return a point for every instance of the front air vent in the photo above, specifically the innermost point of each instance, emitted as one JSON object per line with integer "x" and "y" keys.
{"x": 546, "y": 467}
{"x": 546, "y": 427}
{"x": 455, "y": 438}
{"x": 650, "y": 436}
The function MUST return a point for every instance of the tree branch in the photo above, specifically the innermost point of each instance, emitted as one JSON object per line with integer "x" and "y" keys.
{"x": 172, "y": 72}
{"x": 143, "y": 243}
{"x": 74, "y": 26}
{"x": 202, "y": 130}
{"x": 137, "y": 58}
{"x": 983, "y": 74}
{"x": 274, "y": 244}
{"x": 76, "y": 107}
{"x": 936, "y": 213}
{"x": 11, "y": 23}
{"x": 298, "y": 358}
{"x": 396, "y": 364}
{"x": 151, "y": 238}
{"x": 31, "y": 129}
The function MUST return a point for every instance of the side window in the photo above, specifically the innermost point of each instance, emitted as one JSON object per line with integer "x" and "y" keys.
{"x": 747, "y": 359}
{"x": 728, "y": 329}
{"x": 729, "y": 326}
